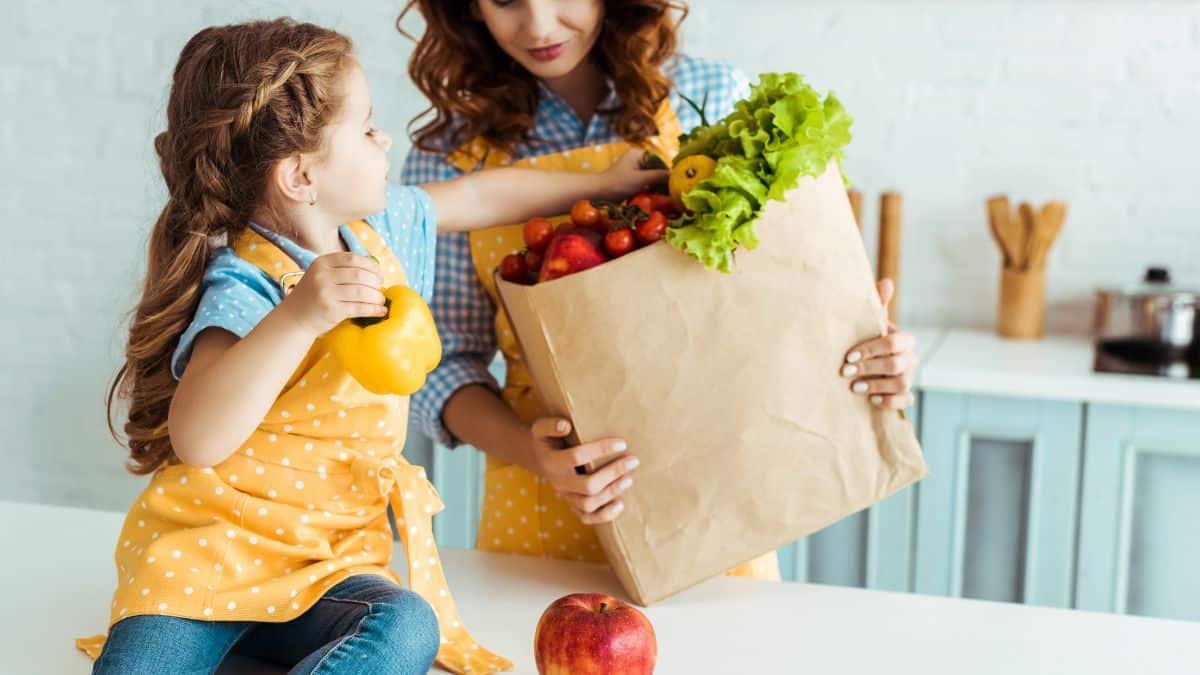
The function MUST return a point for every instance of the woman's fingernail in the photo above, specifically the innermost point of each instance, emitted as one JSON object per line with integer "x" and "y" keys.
{"x": 877, "y": 399}
{"x": 624, "y": 485}
{"x": 619, "y": 446}
{"x": 860, "y": 388}
{"x": 849, "y": 371}
{"x": 618, "y": 507}
{"x": 632, "y": 464}
{"x": 563, "y": 426}
{"x": 854, "y": 357}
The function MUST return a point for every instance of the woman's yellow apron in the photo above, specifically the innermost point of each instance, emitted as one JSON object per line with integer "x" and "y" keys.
{"x": 522, "y": 513}
{"x": 301, "y": 506}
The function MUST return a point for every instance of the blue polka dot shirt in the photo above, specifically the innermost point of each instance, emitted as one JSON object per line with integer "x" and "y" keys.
{"x": 237, "y": 295}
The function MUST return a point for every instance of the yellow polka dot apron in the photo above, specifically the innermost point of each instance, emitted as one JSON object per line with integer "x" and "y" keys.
{"x": 301, "y": 506}
{"x": 522, "y": 513}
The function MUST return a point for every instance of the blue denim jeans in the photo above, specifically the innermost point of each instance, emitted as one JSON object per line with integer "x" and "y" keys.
{"x": 364, "y": 625}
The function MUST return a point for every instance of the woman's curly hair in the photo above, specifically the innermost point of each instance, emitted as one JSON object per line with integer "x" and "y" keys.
{"x": 476, "y": 90}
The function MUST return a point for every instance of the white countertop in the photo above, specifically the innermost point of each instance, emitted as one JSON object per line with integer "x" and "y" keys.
{"x": 1056, "y": 367}
{"x": 58, "y": 578}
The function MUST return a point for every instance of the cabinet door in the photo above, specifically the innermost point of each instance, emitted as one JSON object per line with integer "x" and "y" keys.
{"x": 872, "y": 548}
{"x": 458, "y": 477}
{"x": 996, "y": 516}
{"x": 1139, "y": 544}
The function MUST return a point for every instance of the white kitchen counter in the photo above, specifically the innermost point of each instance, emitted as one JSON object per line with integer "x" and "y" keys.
{"x": 1056, "y": 367}
{"x": 58, "y": 578}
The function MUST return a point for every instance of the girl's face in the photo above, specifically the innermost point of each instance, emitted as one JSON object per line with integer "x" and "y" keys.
{"x": 550, "y": 38}
{"x": 349, "y": 177}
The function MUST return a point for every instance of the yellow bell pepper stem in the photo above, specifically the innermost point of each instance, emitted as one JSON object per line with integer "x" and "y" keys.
{"x": 393, "y": 354}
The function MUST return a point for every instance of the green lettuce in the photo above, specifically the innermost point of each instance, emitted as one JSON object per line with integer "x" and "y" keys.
{"x": 779, "y": 134}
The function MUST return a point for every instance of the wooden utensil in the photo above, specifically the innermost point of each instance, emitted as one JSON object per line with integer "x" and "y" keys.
{"x": 999, "y": 216}
{"x": 1027, "y": 223}
{"x": 1025, "y": 235}
{"x": 856, "y": 200}
{"x": 1046, "y": 228}
{"x": 888, "y": 264}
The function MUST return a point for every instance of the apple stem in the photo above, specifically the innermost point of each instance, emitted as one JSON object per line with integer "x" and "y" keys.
{"x": 603, "y": 607}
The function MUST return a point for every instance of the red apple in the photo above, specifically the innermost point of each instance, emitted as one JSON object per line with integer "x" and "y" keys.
{"x": 573, "y": 249}
{"x": 594, "y": 634}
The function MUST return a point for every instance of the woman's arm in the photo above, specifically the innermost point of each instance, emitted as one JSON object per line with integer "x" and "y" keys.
{"x": 477, "y": 416}
{"x": 459, "y": 403}
{"x": 510, "y": 195}
{"x": 464, "y": 314}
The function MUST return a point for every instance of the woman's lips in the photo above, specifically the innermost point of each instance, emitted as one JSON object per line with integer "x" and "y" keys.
{"x": 547, "y": 53}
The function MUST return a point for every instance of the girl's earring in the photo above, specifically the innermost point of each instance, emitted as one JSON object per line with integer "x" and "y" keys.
{"x": 312, "y": 198}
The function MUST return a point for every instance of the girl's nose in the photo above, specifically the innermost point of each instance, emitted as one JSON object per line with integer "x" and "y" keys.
{"x": 385, "y": 140}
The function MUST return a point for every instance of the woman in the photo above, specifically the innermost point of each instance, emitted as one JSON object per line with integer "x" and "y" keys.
{"x": 566, "y": 85}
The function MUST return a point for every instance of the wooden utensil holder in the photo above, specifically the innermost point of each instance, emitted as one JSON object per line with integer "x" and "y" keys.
{"x": 1022, "y": 312}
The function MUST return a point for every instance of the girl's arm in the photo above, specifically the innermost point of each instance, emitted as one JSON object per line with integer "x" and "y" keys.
{"x": 509, "y": 195}
{"x": 230, "y": 384}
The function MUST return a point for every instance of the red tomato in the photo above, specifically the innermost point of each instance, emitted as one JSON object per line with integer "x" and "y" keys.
{"x": 665, "y": 204}
{"x": 537, "y": 234}
{"x": 619, "y": 242}
{"x": 533, "y": 260}
{"x": 512, "y": 268}
{"x": 643, "y": 201}
{"x": 652, "y": 229}
{"x": 585, "y": 214}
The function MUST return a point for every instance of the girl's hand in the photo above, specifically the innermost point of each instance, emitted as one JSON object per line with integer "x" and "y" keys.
{"x": 626, "y": 177}
{"x": 335, "y": 287}
{"x": 883, "y": 368}
{"x": 594, "y": 497}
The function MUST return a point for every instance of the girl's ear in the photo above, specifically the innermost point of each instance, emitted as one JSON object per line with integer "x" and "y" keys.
{"x": 290, "y": 178}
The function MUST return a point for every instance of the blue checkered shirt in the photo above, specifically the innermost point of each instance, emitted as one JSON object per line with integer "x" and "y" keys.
{"x": 464, "y": 313}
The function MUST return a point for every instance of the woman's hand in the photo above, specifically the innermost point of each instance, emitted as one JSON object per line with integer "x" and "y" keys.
{"x": 882, "y": 368}
{"x": 594, "y": 497}
{"x": 335, "y": 287}
{"x": 626, "y": 176}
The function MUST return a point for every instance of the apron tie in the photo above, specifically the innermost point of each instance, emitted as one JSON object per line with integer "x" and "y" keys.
{"x": 414, "y": 501}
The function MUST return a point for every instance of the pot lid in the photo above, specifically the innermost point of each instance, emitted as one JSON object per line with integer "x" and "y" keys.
{"x": 1156, "y": 283}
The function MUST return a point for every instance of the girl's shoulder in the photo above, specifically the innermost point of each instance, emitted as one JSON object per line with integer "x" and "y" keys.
{"x": 235, "y": 296}
{"x": 408, "y": 226}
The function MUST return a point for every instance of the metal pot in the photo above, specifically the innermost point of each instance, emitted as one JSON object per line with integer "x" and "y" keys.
{"x": 1151, "y": 328}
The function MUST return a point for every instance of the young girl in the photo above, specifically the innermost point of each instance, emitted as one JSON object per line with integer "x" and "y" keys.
{"x": 566, "y": 85}
{"x": 264, "y": 529}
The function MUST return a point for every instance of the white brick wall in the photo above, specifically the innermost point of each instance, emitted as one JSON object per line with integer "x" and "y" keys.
{"x": 1092, "y": 102}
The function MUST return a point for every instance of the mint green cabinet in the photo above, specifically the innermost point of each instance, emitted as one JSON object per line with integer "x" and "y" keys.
{"x": 996, "y": 517}
{"x": 1139, "y": 544}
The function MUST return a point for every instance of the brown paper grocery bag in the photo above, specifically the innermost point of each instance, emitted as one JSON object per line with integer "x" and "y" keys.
{"x": 726, "y": 387}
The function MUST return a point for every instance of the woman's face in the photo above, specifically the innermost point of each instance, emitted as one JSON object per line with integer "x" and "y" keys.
{"x": 550, "y": 38}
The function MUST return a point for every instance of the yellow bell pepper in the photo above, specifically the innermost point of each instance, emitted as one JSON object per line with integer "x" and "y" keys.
{"x": 392, "y": 354}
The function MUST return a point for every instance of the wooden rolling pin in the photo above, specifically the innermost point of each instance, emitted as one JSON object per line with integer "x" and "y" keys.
{"x": 888, "y": 264}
